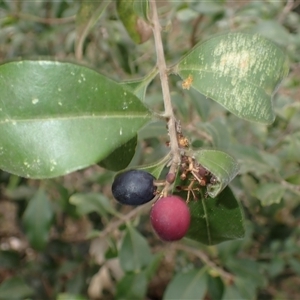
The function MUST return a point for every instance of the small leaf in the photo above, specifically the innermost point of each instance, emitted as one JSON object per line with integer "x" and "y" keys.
{"x": 157, "y": 167}
{"x": 14, "y": 289}
{"x": 86, "y": 18}
{"x": 269, "y": 193}
{"x": 239, "y": 71}
{"x": 133, "y": 14}
{"x": 121, "y": 157}
{"x": 215, "y": 220}
{"x": 56, "y": 118}
{"x": 135, "y": 252}
{"x": 223, "y": 166}
{"x": 139, "y": 86}
{"x": 132, "y": 286}
{"x": 37, "y": 220}
{"x": 219, "y": 132}
{"x": 92, "y": 202}
{"x": 189, "y": 285}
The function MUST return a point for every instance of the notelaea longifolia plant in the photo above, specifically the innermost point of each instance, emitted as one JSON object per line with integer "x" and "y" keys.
{"x": 58, "y": 117}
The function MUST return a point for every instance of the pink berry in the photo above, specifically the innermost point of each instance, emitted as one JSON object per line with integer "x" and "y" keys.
{"x": 170, "y": 218}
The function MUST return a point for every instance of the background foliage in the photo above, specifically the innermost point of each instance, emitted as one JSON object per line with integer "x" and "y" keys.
{"x": 65, "y": 238}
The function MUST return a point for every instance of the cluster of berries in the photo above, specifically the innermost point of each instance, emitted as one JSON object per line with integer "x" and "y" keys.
{"x": 170, "y": 215}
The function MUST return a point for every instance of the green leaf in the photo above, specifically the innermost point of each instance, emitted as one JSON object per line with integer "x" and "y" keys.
{"x": 276, "y": 266}
{"x": 246, "y": 270}
{"x": 153, "y": 129}
{"x": 92, "y": 202}
{"x": 139, "y": 86}
{"x": 37, "y": 220}
{"x": 188, "y": 285}
{"x": 156, "y": 168}
{"x": 250, "y": 160}
{"x": 274, "y": 31}
{"x": 200, "y": 104}
{"x": 232, "y": 292}
{"x": 15, "y": 289}
{"x": 59, "y": 117}
{"x": 239, "y": 71}
{"x": 121, "y": 157}
{"x": 215, "y": 287}
{"x": 152, "y": 267}
{"x": 86, "y": 18}
{"x": 219, "y": 132}
{"x": 215, "y": 220}
{"x": 223, "y": 166}
{"x": 269, "y": 193}
{"x": 135, "y": 252}
{"x": 132, "y": 286}
{"x": 133, "y": 14}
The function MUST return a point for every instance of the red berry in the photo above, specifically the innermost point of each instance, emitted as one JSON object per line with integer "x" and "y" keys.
{"x": 170, "y": 218}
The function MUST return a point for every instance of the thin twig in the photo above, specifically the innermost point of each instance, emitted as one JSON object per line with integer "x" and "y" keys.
{"x": 162, "y": 67}
{"x": 226, "y": 276}
{"x": 123, "y": 219}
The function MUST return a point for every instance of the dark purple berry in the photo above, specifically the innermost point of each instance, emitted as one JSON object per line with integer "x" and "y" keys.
{"x": 134, "y": 187}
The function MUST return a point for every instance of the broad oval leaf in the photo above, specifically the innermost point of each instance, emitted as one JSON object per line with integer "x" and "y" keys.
{"x": 188, "y": 285}
{"x": 135, "y": 253}
{"x": 215, "y": 220}
{"x": 59, "y": 117}
{"x": 37, "y": 220}
{"x": 239, "y": 71}
{"x": 222, "y": 165}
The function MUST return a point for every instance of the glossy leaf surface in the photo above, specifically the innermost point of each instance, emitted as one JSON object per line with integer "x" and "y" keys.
{"x": 240, "y": 71}
{"x": 59, "y": 117}
{"x": 222, "y": 165}
{"x": 215, "y": 220}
